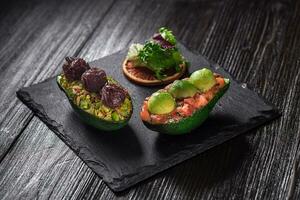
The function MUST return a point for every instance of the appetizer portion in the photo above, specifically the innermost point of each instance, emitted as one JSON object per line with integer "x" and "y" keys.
{"x": 156, "y": 62}
{"x": 98, "y": 99}
{"x": 184, "y": 104}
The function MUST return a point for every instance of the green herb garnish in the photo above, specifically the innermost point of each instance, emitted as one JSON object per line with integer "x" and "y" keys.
{"x": 156, "y": 58}
{"x": 167, "y": 35}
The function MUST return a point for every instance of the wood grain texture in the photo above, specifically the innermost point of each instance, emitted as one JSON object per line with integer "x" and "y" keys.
{"x": 36, "y": 38}
{"x": 257, "y": 41}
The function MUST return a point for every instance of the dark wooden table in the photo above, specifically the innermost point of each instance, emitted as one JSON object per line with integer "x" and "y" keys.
{"x": 257, "y": 41}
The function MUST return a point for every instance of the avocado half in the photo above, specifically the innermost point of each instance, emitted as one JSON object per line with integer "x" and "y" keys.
{"x": 187, "y": 124}
{"x": 92, "y": 120}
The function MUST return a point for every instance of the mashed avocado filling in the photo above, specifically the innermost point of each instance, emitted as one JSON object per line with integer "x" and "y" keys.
{"x": 91, "y": 102}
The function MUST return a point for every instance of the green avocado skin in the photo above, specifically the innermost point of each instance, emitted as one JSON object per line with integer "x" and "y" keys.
{"x": 188, "y": 124}
{"x": 93, "y": 120}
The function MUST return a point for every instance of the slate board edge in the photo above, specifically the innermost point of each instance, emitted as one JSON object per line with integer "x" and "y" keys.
{"x": 24, "y": 96}
{"x": 118, "y": 185}
{"x": 144, "y": 172}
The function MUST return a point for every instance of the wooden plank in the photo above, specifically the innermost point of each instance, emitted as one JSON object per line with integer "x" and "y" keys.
{"x": 38, "y": 37}
{"x": 258, "y": 44}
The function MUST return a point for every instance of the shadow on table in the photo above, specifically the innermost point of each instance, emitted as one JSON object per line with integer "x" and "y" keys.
{"x": 114, "y": 146}
{"x": 214, "y": 131}
{"x": 206, "y": 170}
{"x": 212, "y": 167}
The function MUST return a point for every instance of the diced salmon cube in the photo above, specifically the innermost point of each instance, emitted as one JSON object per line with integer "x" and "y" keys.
{"x": 160, "y": 119}
{"x": 201, "y": 101}
{"x": 145, "y": 115}
{"x": 190, "y": 101}
{"x": 185, "y": 110}
{"x": 209, "y": 95}
{"x": 220, "y": 81}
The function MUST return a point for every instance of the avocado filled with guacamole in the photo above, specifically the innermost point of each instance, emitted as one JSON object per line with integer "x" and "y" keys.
{"x": 184, "y": 105}
{"x": 98, "y": 99}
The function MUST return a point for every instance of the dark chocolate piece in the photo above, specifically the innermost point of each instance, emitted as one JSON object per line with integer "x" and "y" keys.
{"x": 113, "y": 95}
{"x": 73, "y": 68}
{"x": 94, "y": 79}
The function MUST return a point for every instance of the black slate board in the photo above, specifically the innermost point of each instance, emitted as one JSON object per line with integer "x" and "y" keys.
{"x": 134, "y": 153}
